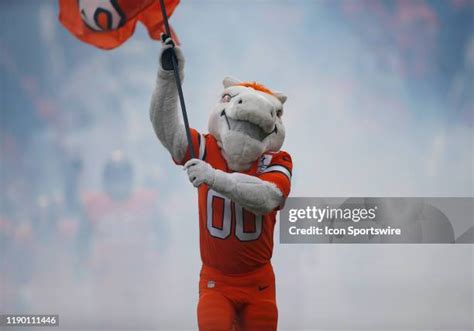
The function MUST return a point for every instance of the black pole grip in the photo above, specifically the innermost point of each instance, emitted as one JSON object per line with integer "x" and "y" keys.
{"x": 174, "y": 62}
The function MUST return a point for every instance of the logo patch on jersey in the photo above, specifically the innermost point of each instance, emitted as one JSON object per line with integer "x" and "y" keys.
{"x": 211, "y": 284}
{"x": 264, "y": 162}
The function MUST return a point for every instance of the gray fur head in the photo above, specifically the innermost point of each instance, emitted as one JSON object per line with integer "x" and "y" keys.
{"x": 247, "y": 123}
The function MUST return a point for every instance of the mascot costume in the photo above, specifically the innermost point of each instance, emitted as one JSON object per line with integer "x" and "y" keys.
{"x": 243, "y": 179}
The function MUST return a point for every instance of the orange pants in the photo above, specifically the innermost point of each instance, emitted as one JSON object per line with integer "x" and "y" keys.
{"x": 244, "y": 302}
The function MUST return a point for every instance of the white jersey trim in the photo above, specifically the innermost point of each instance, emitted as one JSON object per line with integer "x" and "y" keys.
{"x": 202, "y": 147}
{"x": 278, "y": 168}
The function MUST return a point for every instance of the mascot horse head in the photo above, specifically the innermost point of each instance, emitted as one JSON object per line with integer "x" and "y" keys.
{"x": 246, "y": 122}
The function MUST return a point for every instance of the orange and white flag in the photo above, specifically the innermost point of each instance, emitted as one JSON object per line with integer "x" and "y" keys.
{"x": 109, "y": 23}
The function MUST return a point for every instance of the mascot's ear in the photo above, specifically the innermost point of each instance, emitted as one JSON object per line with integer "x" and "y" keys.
{"x": 280, "y": 96}
{"x": 230, "y": 81}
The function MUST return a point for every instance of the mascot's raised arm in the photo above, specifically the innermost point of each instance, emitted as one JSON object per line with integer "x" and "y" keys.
{"x": 243, "y": 179}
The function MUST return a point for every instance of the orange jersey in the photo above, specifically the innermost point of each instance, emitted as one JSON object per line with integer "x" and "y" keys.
{"x": 232, "y": 239}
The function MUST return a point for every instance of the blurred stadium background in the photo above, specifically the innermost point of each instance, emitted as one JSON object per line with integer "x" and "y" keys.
{"x": 380, "y": 104}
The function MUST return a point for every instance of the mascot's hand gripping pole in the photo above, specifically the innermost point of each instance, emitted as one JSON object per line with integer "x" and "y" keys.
{"x": 174, "y": 63}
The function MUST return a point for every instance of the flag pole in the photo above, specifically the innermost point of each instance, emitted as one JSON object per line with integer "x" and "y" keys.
{"x": 174, "y": 62}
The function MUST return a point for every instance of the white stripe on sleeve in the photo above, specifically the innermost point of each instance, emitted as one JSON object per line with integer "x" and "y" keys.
{"x": 278, "y": 168}
{"x": 202, "y": 147}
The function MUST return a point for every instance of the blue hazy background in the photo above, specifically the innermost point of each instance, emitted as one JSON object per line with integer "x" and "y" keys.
{"x": 380, "y": 103}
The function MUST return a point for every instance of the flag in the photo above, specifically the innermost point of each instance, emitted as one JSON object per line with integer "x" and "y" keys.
{"x": 109, "y": 23}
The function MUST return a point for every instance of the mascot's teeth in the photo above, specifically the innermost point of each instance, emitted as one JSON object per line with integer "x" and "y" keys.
{"x": 250, "y": 129}
{"x": 226, "y": 118}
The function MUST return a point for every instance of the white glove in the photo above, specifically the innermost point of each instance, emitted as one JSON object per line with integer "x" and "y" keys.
{"x": 200, "y": 172}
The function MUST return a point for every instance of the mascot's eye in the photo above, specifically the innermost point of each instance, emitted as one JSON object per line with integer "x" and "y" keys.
{"x": 226, "y": 97}
{"x": 279, "y": 112}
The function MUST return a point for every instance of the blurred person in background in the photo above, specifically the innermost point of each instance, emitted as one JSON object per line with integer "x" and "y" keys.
{"x": 127, "y": 240}
{"x": 73, "y": 231}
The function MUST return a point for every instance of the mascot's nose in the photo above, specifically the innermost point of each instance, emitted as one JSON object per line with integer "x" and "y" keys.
{"x": 256, "y": 109}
